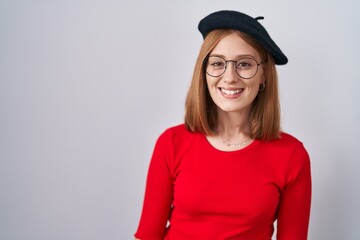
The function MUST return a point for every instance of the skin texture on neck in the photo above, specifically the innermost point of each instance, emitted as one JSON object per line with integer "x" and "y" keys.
{"x": 234, "y": 129}
{"x": 234, "y": 126}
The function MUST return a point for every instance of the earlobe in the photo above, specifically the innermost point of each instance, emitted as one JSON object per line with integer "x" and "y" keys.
{"x": 262, "y": 86}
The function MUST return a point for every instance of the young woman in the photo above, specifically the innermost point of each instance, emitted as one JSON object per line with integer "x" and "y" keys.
{"x": 229, "y": 172}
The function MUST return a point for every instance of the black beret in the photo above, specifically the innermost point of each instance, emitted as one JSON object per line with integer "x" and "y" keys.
{"x": 243, "y": 23}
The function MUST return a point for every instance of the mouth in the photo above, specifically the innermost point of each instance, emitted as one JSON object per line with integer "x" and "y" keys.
{"x": 231, "y": 92}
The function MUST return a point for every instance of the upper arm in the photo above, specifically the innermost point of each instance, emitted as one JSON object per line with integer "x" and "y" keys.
{"x": 158, "y": 193}
{"x": 295, "y": 200}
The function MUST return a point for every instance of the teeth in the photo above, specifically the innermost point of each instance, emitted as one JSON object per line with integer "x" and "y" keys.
{"x": 231, "y": 92}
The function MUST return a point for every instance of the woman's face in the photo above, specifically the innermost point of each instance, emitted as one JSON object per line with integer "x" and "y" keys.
{"x": 230, "y": 92}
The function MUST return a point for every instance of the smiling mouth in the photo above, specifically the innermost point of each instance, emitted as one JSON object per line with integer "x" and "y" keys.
{"x": 231, "y": 91}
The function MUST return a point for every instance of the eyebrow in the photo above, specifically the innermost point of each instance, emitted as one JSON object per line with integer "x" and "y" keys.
{"x": 236, "y": 57}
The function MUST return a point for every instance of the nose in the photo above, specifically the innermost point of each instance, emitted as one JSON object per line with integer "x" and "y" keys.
{"x": 230, "y": 74}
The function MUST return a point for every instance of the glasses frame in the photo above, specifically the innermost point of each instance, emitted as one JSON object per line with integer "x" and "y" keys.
{"x": 235, "y": 68}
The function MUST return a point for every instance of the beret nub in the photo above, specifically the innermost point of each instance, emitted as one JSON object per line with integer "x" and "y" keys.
{"x": 243, "y": 23}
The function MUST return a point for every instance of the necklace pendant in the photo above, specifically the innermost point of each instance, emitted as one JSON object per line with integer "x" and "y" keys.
{"x": 235, "y": 144}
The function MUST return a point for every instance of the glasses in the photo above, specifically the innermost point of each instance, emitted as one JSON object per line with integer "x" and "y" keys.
{"x": 246, "y": 68}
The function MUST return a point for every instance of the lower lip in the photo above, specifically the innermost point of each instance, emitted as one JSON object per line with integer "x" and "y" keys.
{"x": 230, "y": 96}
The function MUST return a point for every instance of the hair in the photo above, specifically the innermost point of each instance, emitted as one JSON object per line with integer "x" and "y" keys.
{"x": 201, "y": 111}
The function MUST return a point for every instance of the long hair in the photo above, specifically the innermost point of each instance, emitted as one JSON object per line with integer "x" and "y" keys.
{"x": 201, "y": 111}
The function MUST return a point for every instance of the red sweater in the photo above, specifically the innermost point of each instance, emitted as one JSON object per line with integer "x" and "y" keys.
{"x": 195, "y": 191}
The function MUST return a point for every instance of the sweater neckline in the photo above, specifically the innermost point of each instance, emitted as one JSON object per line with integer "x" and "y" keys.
{"x": 214, "y": 149}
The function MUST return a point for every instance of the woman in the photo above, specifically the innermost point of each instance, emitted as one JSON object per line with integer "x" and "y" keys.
{"x": 229, "y": 172}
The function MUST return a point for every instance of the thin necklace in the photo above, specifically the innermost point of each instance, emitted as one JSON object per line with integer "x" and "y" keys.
{"x": 236, "y": 144}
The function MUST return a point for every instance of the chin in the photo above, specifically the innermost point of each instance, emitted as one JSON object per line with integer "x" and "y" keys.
{"x": 230, "y": 109}
{"x": 234, "y": 109}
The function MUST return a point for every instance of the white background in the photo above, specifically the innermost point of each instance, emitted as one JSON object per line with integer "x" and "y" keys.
{"x": 86, "y": 87}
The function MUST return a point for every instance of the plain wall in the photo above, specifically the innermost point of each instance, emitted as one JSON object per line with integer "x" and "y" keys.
{"x": 86, "y": 87}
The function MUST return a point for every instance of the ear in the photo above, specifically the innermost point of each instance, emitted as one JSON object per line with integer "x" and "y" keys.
{"x": 263, "y": 76}
{"x": 263, "y": 70}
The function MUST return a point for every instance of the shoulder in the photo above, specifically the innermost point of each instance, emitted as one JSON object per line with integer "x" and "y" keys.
{"x": 172, "y": 143}
{"x": 286, "y": 142}
{"x": 296, "y": 160}
{"x": 298, "y": 155}
{"x": 175, "y": 137}
{"x": 286, "y": 150}
{"x": 288, "y": 138}
{"x": 177, "y": 129}
{"x": 177, "y": 132}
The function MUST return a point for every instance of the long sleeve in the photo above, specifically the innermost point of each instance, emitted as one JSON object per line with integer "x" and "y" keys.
{"x": 158, "y": 193}
{"x": 294, "y": 205}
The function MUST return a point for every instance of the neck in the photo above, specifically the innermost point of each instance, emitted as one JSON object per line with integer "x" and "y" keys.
{"x": 233, "y": 126}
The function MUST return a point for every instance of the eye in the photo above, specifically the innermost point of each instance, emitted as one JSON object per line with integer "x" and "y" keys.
{"x": 244, "y": 64}
{"x": 218, "y": 64}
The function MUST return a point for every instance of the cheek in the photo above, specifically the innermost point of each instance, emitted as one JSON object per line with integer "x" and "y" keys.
{"x": 211, "y": 85}
{"x": 208, "y": 83}
{"x": 253, "y": 89}
{"x": 253, "y": 92}
{"x": 254, "y": 84}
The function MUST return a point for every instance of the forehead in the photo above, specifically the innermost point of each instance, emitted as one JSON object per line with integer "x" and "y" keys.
{"x": 233, "y": 46}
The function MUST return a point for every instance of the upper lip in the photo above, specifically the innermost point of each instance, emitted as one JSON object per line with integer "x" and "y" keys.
{"x": 231, "y": 88}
